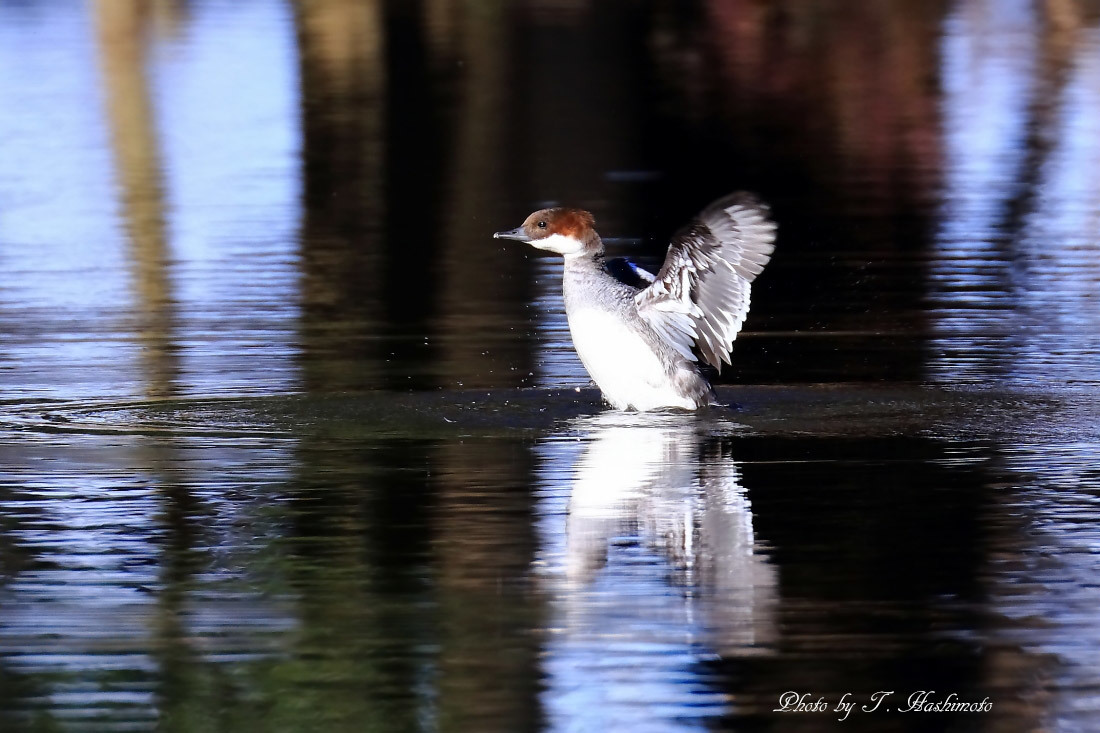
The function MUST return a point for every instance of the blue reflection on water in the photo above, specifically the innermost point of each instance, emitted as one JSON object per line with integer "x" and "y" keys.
{"x": 1058, "y": 265}
{"x": 65, "y": 284}
{"x": 988, "y": 66}
{"x": 227, "y": 105}
{"x": 115, "y": 224}
{"x": 107, "y": 606}
{"x": 1014, "y": 273}
{"x": 1015, "y": 278}
{"x": 556, "y": 363}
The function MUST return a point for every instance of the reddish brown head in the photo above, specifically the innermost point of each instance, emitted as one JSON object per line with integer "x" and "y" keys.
{"x": 569, "y": 232}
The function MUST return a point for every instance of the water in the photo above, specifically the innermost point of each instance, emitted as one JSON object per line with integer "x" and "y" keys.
{"x": 288, "y": 442}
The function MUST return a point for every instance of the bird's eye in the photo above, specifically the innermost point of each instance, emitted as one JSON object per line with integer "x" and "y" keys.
{"x": 542, "y": 225}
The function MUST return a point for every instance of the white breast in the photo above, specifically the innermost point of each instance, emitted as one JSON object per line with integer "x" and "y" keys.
{"x": 622, "y": 363}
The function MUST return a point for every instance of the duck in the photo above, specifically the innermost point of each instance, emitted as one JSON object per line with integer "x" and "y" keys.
{"x": 646, "y": 339}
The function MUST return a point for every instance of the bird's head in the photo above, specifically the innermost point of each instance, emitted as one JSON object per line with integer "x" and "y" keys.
{"x": 567, "y": 232}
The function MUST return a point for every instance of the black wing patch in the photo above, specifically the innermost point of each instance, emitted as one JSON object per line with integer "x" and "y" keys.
{"x": 629, "y": 273}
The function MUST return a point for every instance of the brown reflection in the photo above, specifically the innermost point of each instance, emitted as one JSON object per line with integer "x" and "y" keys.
{"x": 374, "y": 158}
{"x": 478, "y": 282}
{"x": 831, "y": 111}
{"x": 489, "y": 659}
{"x": 342, "y": 73}
{"x": 406, "y": 111}
{"x": 849, "y": 85}
{"x": 181, "y": 673}
{"x": 1063, "y": 20}
{"x": 341, "y": 61}
{"x": 410, "y": 562}
{"x": 122, "y": 28}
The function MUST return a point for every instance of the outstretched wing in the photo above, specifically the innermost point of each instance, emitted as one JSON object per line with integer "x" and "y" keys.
{"x": 701, "y": 294}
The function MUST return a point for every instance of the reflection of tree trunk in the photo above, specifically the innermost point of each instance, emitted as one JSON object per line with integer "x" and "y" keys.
{"x": 1063, "y": 16}
{"x": 375, "y": 152}
{"x": 374, "y": 163}
{"x": 357, "y": 560}
{"x": 1058, "y": 41}
{"x": 342, "y": 74}
{"x": 122, "y": 28}
{"x": 476, "y": 291}
{"x": 833, "y": 105}
{"x": 181, "y": 674}
{"x": 342, "y": 68}
{"x": 416, "y": 142}
{"x": 486, "y": 544}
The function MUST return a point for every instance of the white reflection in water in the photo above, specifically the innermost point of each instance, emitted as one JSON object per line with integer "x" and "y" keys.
{"x": 649, "y": 556}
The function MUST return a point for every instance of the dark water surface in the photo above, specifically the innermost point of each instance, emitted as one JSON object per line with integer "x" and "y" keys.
{"x": 288, "y": 442}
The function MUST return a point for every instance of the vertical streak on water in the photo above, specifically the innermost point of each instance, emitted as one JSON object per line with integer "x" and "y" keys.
{"x": 225, "y": 91}
{"x": 477, "y": 288}
{"x": 1059, "y": 248}
{"x": 1015, "y": 271}
{"x": 343, "y": 162}
{"x": 987, "y": 75}
{"x": 122, "y": 31}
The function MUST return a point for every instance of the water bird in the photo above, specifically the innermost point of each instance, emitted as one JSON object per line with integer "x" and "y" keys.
{"x": 641, "y": 336}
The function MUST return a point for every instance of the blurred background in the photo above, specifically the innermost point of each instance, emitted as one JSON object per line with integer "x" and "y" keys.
{"x": 214, "y": 197}
{"x": 238, "y": 237}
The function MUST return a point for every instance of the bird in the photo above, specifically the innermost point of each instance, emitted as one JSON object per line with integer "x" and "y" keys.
{"x": 642, "y": 336}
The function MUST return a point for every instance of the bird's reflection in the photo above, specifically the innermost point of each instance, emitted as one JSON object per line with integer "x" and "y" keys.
{"x": 651, "y": 564}
{"x": 661, "y": 483}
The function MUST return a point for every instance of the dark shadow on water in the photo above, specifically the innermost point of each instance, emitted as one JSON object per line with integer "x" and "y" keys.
{"x": 883, "y": 548}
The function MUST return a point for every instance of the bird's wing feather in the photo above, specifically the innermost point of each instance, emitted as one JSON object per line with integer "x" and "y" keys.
{"x": 700, "y": 296}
